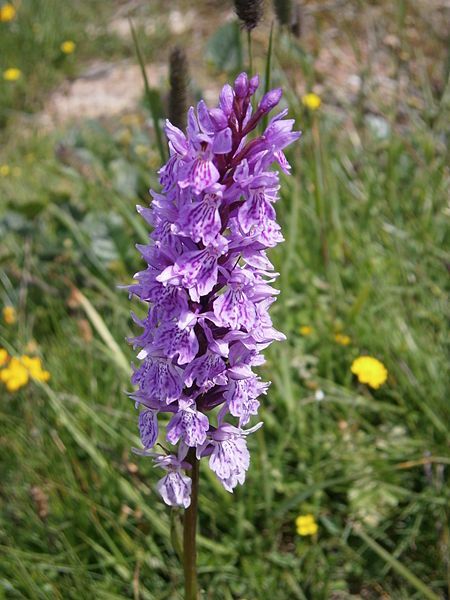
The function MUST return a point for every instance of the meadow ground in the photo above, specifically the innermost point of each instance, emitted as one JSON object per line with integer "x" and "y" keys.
{"x": 364, "y": 271}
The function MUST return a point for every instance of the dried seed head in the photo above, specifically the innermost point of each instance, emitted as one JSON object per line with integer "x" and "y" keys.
{"x": 178, "y": 78}
{"x": 297, "y": 20}
{"x": 249, "y": 12}
{"x": 283, "y": 10}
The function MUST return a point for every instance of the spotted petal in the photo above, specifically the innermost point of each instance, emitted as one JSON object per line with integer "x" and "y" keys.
{"x": 148, "y": 428}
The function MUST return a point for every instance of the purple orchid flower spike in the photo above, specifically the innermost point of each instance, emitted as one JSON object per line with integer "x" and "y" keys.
{"x": 207, "y": 288}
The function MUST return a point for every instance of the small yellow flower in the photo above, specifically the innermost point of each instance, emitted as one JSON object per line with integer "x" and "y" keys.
{"x": 19, "y": 370}
{"x": 12, "y": 74}
{"x": 5, "y": 170}
{"x": 306, "y": 525}
{"x": 369, "y": 370}
{"x": 68, "y": 47}
{"x": 14, "y": 376}
{"x": 305, "y": 330}
{"x": 311, "y": 101}
{"x": 9, "y": 315}
{"x": 34, "y": 367}
{"x": 3, "y": 357}
{"x": 7, "y": 13}
{"x": 16, "y": 171}
{"x": 342, "y": 339}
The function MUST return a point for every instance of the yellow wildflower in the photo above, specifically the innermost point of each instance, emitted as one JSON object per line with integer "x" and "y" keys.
{"x": 311, "y": 101}
{"x": 5, "y": 170}
{"x": 342, "y": 339}
{"x": 7, "y": 13}
{"x": 19, "y": 370}
{"x": 306, "y": 525}
{"x": 16, "y": 171}
{"x": 305, "y": 330}
{"x": 369, "y": 370}
{"x": 12, "y": 74}
{"x": 3, "y": 357}
{"x": 34, "y": 368}
{"x": 68, "y": 47}
{"x": 9, "y": 315}
{"x": 14, "y": 376}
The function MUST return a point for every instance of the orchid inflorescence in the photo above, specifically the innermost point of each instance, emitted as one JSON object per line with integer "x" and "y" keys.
{"x": 207, "y": 286}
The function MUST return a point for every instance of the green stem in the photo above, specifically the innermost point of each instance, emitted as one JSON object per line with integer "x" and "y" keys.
{"x": 189, "y": 534}
{"x": 150, "y": 98}
{"x": 268, "y": 73}
{"x": 250, "y": 58}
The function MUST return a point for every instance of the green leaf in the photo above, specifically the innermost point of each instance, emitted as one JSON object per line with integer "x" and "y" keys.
{"x": 223, "y": 49}
{"x": 125, "y": 177}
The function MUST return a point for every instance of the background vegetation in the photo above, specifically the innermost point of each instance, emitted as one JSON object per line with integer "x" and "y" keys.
{"x": 366, "y": 256}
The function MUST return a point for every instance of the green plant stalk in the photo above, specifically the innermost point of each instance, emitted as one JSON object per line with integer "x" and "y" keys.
{"x": 189, "y": 534}
{"x": 318, "y": 192}
{"x": 239, "y": 48}
{"x": 250, "y": 57}
{"x": 148, "y": 95}
{"x": 268, "y": 72}
{"x": 265, "y": 468}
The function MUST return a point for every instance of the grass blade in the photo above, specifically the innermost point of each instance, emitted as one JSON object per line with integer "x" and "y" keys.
{"x": 103, "y": 331}
{"x": 395, "y": 564}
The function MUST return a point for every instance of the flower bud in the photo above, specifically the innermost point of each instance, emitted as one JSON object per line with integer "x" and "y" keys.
{"x": 270, "y": 100}
{"x": 241, "y": 85}
{"x": 226, "y": 99}
{"x": 253, "y": 84}
{"x": 219, "y": 118}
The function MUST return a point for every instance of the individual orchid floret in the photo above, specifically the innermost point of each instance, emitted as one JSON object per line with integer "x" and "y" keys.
{"x": 228, "y": 452}
{"x": 207, "y": 287}
{"x": 188, "y": 424}
{"x": 200, "y": 218}
{"x": 175, "y": 487}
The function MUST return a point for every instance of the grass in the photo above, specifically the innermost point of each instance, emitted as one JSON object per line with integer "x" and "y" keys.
{"x": 364, "y": 217}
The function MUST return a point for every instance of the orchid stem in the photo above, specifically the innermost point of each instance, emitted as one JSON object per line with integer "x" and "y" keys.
{"x": 189, "y": 534}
